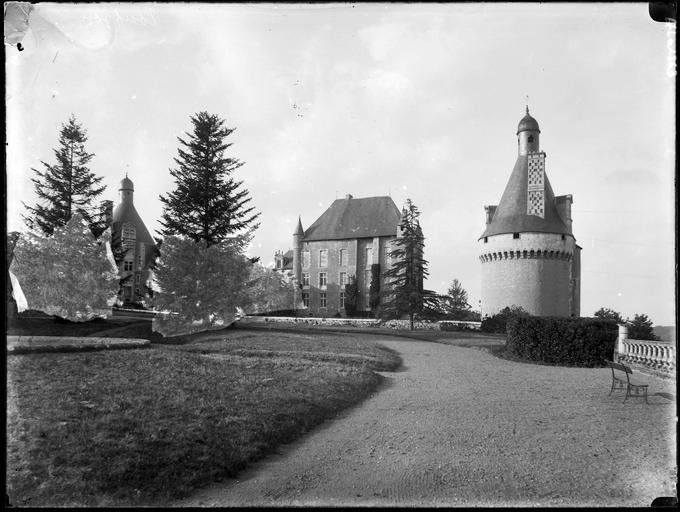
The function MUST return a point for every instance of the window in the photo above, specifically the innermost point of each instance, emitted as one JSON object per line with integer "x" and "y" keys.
{"x": 323, "y": 279}
{"x": 279, "y": 263}
{"x": 305, "y": 279}
{"x": 342, "y": 280}
{"x": 306, "y": 259}
{"x": 305, "y": 299}
{"x": 137, "y": 292}
{"x": 367, "y": 279}
{"x": 343, "y": 295}
{"x": 531, "y": 138}
{"x": 343, "y": 257}
{"x": 322, "y": 299}
{"x": 562, "y": 237}
{"x": 486, "y": 239}
{"x": 127, "y": 266}
{"x": 515, "y": 235}
{"x": 137, "y": 279}
{"x": 140, "y": 258}
{"x": 369, "y": 256}
{"x": 323, "y": 258}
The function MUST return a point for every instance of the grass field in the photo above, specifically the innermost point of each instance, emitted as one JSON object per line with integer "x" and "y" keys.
{"x": 137, "y": 427}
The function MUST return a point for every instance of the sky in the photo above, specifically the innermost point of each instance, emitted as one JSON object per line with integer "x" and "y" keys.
{"x": 410, "y": 100}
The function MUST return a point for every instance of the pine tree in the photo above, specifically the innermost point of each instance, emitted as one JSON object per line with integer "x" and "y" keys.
{"x": 208, "y": 203}
{"x": 68, "y": 187}
{"x": 405, "y": 294}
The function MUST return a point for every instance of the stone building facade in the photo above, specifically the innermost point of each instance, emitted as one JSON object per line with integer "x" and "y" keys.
{"x": 343, "y": 244}
{"x": 141, "y": 251}
{"x": 528, "y": 251}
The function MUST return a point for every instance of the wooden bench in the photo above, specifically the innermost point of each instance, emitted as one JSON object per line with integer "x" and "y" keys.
{"x": 620, "y": 383}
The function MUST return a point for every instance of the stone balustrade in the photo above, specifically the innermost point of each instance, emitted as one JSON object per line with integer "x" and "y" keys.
{"x": 656, "y": 355}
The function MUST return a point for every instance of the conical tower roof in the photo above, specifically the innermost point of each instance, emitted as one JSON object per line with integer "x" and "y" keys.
{"x": 511, "y": 213}
{"x": 298, "y": 229}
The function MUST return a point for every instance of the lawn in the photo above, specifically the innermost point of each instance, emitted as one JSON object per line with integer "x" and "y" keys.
{"x": 136, "y": 427}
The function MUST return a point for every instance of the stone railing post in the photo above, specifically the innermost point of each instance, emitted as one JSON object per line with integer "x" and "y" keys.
{"x": 623, "y": 335}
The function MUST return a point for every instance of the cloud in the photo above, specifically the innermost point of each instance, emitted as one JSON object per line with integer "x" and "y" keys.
{"x": 389, "y": 86}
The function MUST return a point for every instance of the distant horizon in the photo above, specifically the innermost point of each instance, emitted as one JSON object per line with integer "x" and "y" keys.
{"x": 415, "y": 101}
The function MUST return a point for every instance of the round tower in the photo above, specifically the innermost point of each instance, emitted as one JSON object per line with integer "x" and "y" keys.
{"x": 298, "y": 235}
{"x": 528, "y": 253}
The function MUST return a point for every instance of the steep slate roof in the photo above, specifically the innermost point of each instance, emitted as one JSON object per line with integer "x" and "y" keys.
{"x": 511, "y": 214}
{"x": 365, "y": 217}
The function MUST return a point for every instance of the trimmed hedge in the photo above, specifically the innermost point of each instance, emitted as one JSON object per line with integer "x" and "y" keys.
{"x": 565, "y": 341}
{"x": 498, "y": 322}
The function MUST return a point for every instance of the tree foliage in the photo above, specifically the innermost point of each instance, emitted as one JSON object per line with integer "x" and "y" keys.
{"x": 498, "y": 323}
{"x": 374, "y": 289}
{"x": 454, "y": 304}
{"x": 609, "y": 314}
{"x": 405, "y": 294}
{"x": 67, "y": 187}
{"x": 208, "y": 203}
{"x": 268, "y": 290}
{"x": 200, "y": 286}
{"x": 351, "y": 296}
{"x": 69, "y": 274}
{"x": 641, "y": 328}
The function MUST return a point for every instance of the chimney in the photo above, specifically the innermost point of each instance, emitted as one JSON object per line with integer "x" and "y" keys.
{"x": 563, "y": 204}
{"x": 490, "y": 210}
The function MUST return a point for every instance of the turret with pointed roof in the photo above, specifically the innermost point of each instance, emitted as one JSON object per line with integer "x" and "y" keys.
{"x": 129, "y": 231}
{"x": 529, "y": 255}
{"x": 351, "y": 236}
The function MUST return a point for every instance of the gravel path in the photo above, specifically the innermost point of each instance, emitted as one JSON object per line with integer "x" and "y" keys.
{"x": 459, "y": 427}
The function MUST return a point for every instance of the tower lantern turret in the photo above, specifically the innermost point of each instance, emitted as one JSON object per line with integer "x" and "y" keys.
{"x": 127, "y": 190}
{"x": 527, "y": 134}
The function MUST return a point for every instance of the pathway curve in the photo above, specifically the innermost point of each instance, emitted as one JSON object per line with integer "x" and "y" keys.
{"x": 460, "y": 427}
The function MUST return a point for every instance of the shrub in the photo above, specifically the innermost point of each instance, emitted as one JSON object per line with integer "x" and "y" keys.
{"x": 564, "y": 341}
{"x": 498, "y": 322}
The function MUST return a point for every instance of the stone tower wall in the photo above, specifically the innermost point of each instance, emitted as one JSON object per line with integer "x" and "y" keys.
{"x": 533, "y": 271}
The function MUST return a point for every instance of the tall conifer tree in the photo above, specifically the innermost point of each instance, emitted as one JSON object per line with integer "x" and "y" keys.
{"x": 404, "y": 294}
{"x": 68, "y": 187}
{"x": 208, "y": 203}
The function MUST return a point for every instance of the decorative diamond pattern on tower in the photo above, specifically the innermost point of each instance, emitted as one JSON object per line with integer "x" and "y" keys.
{"x": 536, "y": 184}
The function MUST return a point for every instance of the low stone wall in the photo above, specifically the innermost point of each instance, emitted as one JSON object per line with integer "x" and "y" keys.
{"x": 658, "y": 357}
{"x": 25, "y": 344}
{"x": 445, "y": 325}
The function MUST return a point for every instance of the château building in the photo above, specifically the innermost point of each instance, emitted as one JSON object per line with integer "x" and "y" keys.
{"x": 351, "y": 236}
{"x": 128, "y": 230}
{"x": 528, "y": 251}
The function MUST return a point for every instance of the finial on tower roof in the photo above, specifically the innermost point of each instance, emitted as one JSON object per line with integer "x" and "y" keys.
{"x": 526, "y": 98}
